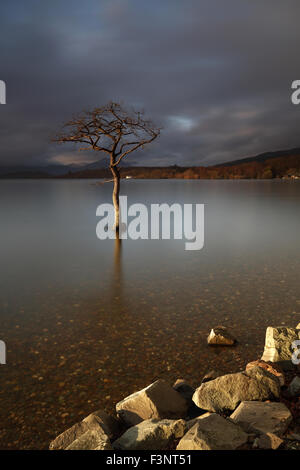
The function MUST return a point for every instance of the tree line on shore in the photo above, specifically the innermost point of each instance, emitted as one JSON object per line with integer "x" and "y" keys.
{"x": 278, "y": 167}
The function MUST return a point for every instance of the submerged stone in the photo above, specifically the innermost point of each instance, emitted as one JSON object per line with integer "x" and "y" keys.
{"x": 220, "y": 336}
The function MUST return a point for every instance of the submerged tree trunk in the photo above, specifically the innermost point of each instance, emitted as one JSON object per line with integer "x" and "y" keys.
{"x": 115, "y": 196}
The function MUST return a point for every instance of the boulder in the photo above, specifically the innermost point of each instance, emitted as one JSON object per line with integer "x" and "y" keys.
{"x": 265, "y": 417}
{"x": 213, "y": 433}
{"x": 98, "y": 421}
{"x": 190, "y": 423}
{"x": 267, "y": 441}
{"x": 91, "y": 440}
{"x": 157, "y": 401}
{"x": 110, "y": 425}
{"x": 151, "y": 434}
{"x": 220, "y": 336}
{"x": 278, "y": 344}
{"x": 270, "y": 367}
{"x": 67, "y": 437}
{"x": 294, "y": 387}
{"x": 226, "y": 392}
{"x": 263, "y": 375}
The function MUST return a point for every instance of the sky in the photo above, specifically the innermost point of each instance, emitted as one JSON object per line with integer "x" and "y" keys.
{"x": 215, "y": 74}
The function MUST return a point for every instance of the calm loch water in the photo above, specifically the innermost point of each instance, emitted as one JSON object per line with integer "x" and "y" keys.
{"x": 86, "y": 322}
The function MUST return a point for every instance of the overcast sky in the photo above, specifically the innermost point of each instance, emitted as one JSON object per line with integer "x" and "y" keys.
{"x": 216, "y": 74}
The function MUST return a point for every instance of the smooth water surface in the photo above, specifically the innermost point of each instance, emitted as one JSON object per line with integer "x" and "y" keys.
{"x": 86, "y": 322}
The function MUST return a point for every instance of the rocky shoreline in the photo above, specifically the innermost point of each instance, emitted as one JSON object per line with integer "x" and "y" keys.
{"x": 258, "y": 408}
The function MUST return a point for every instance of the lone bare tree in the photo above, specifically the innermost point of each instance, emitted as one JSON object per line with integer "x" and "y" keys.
{"x": 113, "y": 130}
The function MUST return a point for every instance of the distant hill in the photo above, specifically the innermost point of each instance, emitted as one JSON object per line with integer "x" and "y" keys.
{"x": 30, "y": 171}
{"x": 100, "y": 164}
{"x": 279, "y": 164}
{"x": 262, "y": 157}
{"x": 50, "y": 171}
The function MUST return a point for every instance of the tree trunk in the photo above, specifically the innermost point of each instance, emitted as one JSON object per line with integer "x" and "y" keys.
{"x": 115, "y": 196}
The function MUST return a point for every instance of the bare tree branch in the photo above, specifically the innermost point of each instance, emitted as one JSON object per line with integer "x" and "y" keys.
{"x": 108, "y": 129}
{"x": 113, "y": 130}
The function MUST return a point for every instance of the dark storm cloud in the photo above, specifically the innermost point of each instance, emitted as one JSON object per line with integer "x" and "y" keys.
{"x": 216, "y": 74}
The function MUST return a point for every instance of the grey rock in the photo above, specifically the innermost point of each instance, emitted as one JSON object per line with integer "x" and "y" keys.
{"x": 278, "y": 344}
{"x": 190, "y": 423}
{"x": 267, "y": 377}
{"x": 111, "y": 426}
{"x": 270, "y": 367}
{"x": 91, "y": 440}
{"x": 265, "y": 417}
{"x": 226, "y": 392}
{"x": 157, "y": 401}
{"x": 98, "y": 421}
{"x": 67, "y": 437}
{"x": 151, "y": 434}
{"x": 213, "y": 433}
{"x": 220, "y": 336}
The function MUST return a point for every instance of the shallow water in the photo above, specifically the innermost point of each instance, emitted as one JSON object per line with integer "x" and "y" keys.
{"x": 86, "y": 322}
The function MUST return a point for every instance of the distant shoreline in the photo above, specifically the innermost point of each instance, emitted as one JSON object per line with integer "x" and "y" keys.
{"x": 155, "y": 174}
{"x": 272, "y": 165}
